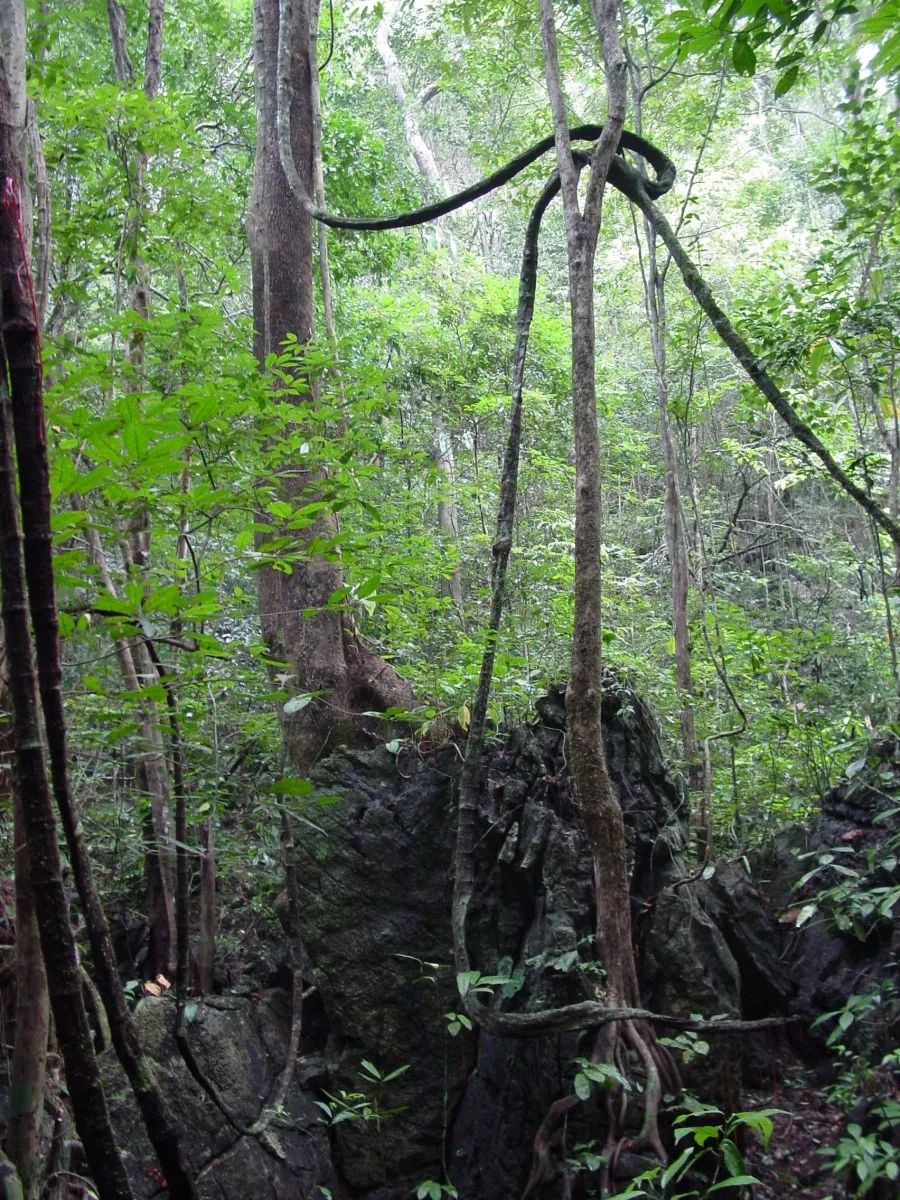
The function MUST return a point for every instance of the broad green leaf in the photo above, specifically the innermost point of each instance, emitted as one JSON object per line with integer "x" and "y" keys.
{"x": 737, "y": 1181}
{"x": 743, "y": 56}
{"x": 290, "y": 787}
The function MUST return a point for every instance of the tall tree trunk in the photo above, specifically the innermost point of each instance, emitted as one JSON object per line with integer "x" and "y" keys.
{"x": 325, "y": 280}
{"x": 448, "y": 520}
{"x": 20, "y": 365}
{"x": 593, "y": 787}
{"x": 151, "y": 776}
{"x": 51, "y": 903}
{"x": 21, "y": 360}
{"x": 206, "y": 943}
{"x": 422, "y": 156}
{"x": 320, "y": 649}
{"x": 590, "y": 774}
{"x": 29, "y": 1058}
{"x": 654, "y": 279}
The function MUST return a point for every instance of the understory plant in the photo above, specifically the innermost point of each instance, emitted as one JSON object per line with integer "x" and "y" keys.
{"x": 708, "y": 1161}
{"x": 867, "y": 1088}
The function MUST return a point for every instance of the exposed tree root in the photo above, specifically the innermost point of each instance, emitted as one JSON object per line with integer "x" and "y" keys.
{"x": 542, "y": 1163}
{"x": 612, "y": 1044}
{"x": 653, "y": 1092}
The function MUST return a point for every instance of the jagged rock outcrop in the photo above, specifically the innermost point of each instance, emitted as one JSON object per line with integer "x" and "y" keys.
{"x": 376, "y": 885}
{"x": 240, "y": 1043}
{"x": 847, "y": 947}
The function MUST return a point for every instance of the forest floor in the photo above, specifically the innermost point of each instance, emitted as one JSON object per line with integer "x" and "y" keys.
{"x": 793, "y": 1163}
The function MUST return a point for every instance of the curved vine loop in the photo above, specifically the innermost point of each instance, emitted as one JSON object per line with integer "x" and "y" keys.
{"x": 640, "y": 189}
{"x": 621, "y": 175}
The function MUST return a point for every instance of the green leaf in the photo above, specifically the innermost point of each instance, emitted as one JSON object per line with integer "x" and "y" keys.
{"x": 704, "y": 1133}
{"x": 732, "y": 1156}
{"x": 737, "y": 1181}
{"x": 290, "y": 787}
{"x": 582, "y": 1086}
{"x": 674, "y": 1169}
{"x": 369, "y": 587}
{"x": 761, "y": 1120}
{"x": 787, "y": 81}
{"x": 396, "y": 1073}
{"x": 464, "y": 980}
{"x": 743, "y": 56}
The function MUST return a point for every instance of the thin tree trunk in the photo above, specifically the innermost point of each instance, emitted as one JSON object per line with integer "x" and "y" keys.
{"x": 150, "y": 779}
{"x": 591, "y": 781}
{"x": 150, "y": 770}
{"x": 654, "y": 280}
{"x": 42, "y": 202}
{"x": 28, "y": 1065}
{"x": 36, "y": 507}
{"x": 675, "y": 536}
{"x": 29, "y": 1058}
{"x": 51, "y": 903}
{"x": 422, "y": 156}
{"x": 206, "y": 945}
{"x": 451, "y": 585}
{"x": 435, "y": 188}
{"x": 325, "y": 279}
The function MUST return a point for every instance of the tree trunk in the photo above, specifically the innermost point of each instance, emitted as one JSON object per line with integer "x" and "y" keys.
{"x": 28, "y": 1066}
{"x": 435, "y": 189}
{"x": 325, "y": 280}
{"x": 448, "y": 524}
{"x": 21, "y": 348}
{"x": 21, "y": 365}
{"x": 27, "y": 1071}
{"x": 676, "y": 543}
{"x": 422, "y": 156}
{"x": 591, "y": 782}
{"x": 206, "y": 945}
{"x": 51, "y": 902}
{"x": 320, "y": 649}
{"x": 150, "y": 769}
{"x": 590, "y": 775}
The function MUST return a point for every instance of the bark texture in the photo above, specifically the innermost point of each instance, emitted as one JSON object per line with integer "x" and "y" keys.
{"x": 654, "y": 280}
{"x": 28, "y": 1066}
{"x": 317, "y": 645}
{"x": 51, "y": 902}
{"x": 590, "y": 775}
